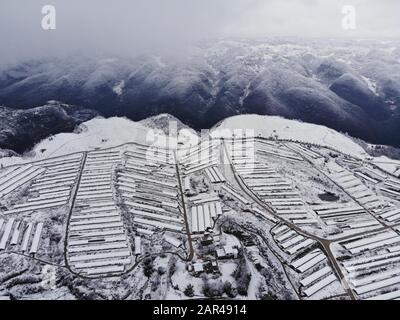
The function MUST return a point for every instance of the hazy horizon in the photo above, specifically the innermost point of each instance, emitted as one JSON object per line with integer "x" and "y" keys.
{"x": 129, "y": 27}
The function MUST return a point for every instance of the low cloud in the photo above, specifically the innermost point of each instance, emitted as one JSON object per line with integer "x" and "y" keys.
{"x": 129, "y": 27}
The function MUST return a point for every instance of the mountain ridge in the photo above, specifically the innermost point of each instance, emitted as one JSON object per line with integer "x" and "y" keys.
{"x": 21, "y": 129}
{"x": 350, "y": 86}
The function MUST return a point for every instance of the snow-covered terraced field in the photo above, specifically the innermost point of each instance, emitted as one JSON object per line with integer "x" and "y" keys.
{"x": 354, "y": 186}
{"x": 290, "y": 241}
{"x": 204, "y": 156}
{"x": 97, "y": 240}
{"x": 314, "y": 276}
{"x": 148, "y": 186}
{"x": 271, "y": 187}
{"x": 346, "y": 218}
{"x": 49, "y": 183}
{"x": 20, "y": 236}
{"x": 329, "y": 220}
{"x": 373, "y": 267}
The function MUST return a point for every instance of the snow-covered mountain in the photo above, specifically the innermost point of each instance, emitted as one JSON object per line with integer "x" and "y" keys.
{"x": 348, "y": 85}
{"x": 274, "y": 127}
{"x": 21, "y": 129}
{"x": 100, "y": 133}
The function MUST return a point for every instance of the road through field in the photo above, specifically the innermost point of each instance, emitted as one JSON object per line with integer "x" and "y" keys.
{"x": 324, "y": 244}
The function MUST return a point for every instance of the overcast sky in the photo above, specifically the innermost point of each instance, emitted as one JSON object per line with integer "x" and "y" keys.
{"x": 133, "y": 26}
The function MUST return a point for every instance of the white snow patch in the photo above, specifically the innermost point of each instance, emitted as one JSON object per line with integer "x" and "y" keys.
{"x": 273, "y": 126}
{"x": 96, "y": 133}
{"x": 159, "y": 61}
{"x": 372, "y": 86}
{"x": 119, "y": 88}
{"x": 387, "y": 164}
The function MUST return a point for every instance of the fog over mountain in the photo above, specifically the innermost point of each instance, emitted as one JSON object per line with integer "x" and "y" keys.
{"x": 203, "y": 61}
{"x": 129, "y": 27}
